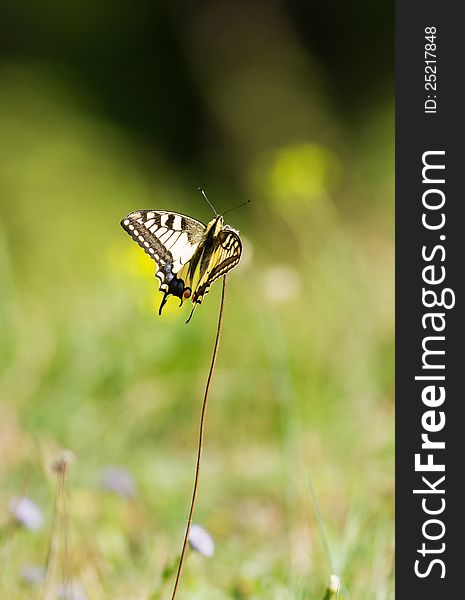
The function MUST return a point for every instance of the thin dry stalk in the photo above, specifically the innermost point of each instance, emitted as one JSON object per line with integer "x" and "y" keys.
{"x": 59, "y": 527}
{"x": 200, "y": 444}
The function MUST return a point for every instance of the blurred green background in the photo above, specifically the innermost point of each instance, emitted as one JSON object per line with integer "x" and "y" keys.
{"x": 110, "y": 107}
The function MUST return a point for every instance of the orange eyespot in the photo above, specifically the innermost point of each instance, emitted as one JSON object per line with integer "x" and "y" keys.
{"x": 187, "y": 294}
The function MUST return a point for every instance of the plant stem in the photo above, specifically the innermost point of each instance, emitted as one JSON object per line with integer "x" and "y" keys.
{"x": 200, "y": 444}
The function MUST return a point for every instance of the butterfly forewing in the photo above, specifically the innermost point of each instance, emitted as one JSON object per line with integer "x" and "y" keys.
{"x": 167, "y": 237}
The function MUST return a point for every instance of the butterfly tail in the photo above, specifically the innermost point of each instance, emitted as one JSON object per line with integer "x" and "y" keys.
{"x": 192, "y": 312}
{"x": 163, "y": 302}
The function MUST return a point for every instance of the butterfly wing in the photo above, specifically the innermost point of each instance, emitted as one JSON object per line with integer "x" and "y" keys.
{"x": 225, "y": 255}
{"x": 217, "y": 255}
{"x": 171, "y": 239}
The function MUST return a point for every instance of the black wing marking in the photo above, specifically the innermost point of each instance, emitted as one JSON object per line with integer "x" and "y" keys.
{"x": 170, "y": 239}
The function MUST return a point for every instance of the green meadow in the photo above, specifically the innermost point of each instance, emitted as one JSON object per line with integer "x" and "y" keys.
{"x": 297, "y": 474}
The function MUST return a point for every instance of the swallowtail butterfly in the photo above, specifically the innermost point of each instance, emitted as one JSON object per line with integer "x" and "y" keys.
{"x": 189, "y": 255}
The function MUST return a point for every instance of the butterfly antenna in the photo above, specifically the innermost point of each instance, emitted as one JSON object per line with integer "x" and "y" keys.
{"x": 209, "y": 203}
{"x": 238, "y": 206}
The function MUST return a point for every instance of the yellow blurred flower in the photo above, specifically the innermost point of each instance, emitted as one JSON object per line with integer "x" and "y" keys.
{"x": 300, "y": 173}
{"x": 130, "y": 260}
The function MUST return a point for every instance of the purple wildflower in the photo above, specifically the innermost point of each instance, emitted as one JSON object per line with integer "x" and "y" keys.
{"x": 119, "y": 481}
{"x": 33, "y": 574}
{"x": 26, "y": 512}
{"x": 71, "y": 591}
{"x": 201, "y": 541}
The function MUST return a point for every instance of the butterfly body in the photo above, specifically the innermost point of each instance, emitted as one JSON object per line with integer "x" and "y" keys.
{"x": 189, "y": 255}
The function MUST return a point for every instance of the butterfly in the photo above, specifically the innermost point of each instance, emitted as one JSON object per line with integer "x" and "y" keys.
{"x": 189, "y": 255}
